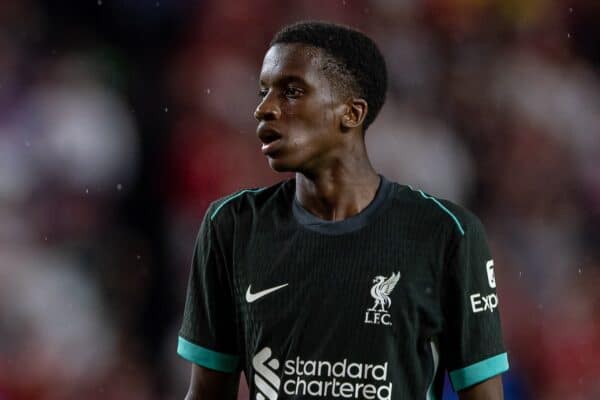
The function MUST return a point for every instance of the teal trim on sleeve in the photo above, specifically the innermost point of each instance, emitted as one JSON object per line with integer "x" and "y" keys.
{"x": 228, "y": 199}
{"x": 207, "y": 358}
{"x": 478, "y": 372}
{"x": 440, "y": 205}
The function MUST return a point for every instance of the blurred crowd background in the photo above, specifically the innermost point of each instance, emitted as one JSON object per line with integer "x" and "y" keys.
{"x": 121, "y": 120}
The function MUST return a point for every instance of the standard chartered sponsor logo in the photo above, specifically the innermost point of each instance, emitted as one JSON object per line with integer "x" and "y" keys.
{"x": 318, "y": 378}
{"x": 343, "y": 379}
{"x": 264, "y": 373}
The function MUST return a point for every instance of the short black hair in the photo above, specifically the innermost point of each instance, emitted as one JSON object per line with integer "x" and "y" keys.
{"x": 353, "y": 59}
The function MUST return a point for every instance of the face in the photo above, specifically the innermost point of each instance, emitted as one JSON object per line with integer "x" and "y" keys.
{"x": 299, "y": 114}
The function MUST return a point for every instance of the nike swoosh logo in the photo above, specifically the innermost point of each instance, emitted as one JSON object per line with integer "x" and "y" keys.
{"x": 252, "y": 297}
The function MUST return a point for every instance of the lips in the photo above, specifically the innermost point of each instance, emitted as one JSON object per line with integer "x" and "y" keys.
{"x": 270, "y": 138}
{"x": 266, "y": 134}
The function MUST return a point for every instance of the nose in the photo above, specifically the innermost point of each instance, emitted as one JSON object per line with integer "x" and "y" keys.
{"x": 268, "y": 109}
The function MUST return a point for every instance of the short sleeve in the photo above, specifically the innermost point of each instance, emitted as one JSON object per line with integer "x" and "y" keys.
{"x": 472, "y": 340}
{"x": 207, "y": 335}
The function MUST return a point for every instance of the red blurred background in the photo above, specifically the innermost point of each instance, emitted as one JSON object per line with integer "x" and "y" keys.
{"x": 120, "y": 122}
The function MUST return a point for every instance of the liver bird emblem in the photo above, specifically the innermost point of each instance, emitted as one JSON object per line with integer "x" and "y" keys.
{"x": 381, "y": 291}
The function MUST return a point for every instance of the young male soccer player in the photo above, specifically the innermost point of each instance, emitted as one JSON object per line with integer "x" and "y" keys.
{"x": 338, "y": 283}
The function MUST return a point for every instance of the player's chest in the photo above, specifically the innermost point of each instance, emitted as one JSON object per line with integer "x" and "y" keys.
{"x": 353, "y": 281}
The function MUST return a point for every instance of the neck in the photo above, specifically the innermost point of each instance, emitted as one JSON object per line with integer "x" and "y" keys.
{"x": 338, "y": 192}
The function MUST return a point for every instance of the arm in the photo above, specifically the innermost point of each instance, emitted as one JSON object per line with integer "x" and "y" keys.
{"x": 490, "y": 389}
{"x": 472, "y": 339}
{"x": 208, "y": 335}
{"x": 206, "y": 384}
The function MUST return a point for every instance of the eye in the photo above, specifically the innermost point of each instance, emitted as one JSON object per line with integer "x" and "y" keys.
{"x": 293, "y": 92}
{"x": 262, "y": 93}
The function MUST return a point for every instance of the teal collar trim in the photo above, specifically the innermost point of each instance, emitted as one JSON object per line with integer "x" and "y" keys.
{"x": 231, "y": 197}
{"x": 440, "y": 205}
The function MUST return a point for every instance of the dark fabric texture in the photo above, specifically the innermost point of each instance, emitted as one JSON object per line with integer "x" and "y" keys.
{"x": 328, "y": 313}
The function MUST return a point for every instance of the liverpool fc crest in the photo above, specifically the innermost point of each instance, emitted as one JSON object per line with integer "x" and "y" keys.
{"x": 381, "y": 290}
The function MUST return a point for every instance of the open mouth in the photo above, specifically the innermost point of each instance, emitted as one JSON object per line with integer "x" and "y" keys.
{"x": 270, "y": 139}
{"x": 268, "y": 135}
{"x": 271, "y": 146}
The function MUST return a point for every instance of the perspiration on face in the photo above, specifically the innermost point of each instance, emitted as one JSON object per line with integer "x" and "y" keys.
{"x": 334, "y": 74}
{"x": 340, "y": 78}
{"x": 299, "y": 101}
{"x": 354, "y": 63}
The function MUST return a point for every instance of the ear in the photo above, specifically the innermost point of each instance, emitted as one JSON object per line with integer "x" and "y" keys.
{"x": 355, "y": 113}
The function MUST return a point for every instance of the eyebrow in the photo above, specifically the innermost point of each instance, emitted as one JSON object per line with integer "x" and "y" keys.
{"x": 284, "y": 80}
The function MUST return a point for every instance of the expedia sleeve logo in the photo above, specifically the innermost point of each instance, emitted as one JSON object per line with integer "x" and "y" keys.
{"x": 489, "y": 267}
{"x": 485, "y": 302}
{"x": 320, "y": 379}
{"x": 480, "y": 303}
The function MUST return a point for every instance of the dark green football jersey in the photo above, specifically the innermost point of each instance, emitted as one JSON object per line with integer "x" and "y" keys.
{"x": 376, "y": 306}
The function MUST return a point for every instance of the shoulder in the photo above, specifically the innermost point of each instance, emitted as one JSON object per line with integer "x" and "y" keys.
{"x": 456, "y": 219}
{"x": 246, "y": 202}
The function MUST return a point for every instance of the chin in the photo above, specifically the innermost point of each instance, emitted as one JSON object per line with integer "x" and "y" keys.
{"x": 279, "y": 166}
{"x": 282, "y": 165}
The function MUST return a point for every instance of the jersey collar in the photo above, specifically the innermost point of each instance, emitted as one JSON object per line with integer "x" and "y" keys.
{"x": 356, "y": 222}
